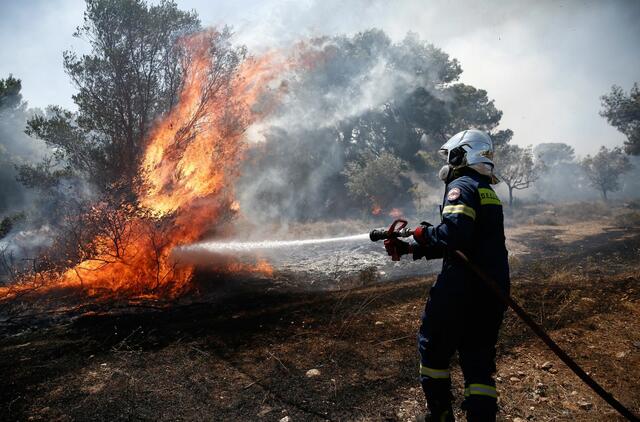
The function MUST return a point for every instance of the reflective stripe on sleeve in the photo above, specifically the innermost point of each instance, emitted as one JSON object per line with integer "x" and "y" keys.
{"x": 459, "y": 209}
{"x": 481, "y": 390}
{"x": 434, "y": 373}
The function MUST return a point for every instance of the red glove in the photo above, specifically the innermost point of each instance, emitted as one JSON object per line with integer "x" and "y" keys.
{"x": 396, "y": 248}
{"x": 420, "y": 233}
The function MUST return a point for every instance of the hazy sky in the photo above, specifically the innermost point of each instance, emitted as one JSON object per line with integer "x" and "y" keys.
{"x": 545, "y": 63}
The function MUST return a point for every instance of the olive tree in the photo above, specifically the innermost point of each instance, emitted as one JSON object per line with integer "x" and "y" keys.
{"x": 604, "y": 169}
{"x": 516, "y": 167}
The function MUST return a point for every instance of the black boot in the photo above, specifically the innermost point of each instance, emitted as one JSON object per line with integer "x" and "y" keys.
{"x": 480, "y": 409}
{"x": 439, "y": 398}
{"x": 439, "y": 416}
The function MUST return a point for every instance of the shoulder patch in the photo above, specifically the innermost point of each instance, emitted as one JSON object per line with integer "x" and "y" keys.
{"x": 453, "y": 194}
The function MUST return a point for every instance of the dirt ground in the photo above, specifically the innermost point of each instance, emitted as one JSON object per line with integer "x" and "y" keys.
{"x": 247, "y": 354}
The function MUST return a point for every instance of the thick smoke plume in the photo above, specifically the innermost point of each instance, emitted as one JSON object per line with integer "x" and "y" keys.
{"x": 335, "y": 111}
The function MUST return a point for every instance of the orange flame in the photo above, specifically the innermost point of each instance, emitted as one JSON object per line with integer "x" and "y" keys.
{"x": 260, "y": 267}
{"x": 195, "y": 151}
{"x": 189, "y": 164}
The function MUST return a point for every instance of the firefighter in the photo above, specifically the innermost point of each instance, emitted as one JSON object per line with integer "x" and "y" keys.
{"x": 461, "y": 313}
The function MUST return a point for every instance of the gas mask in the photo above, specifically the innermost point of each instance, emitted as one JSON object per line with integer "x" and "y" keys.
{"x": 456, "y": 158}
{"x": 445, "y": 173}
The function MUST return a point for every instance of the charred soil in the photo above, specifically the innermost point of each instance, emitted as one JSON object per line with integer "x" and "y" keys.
{"x": 248, "y": 355}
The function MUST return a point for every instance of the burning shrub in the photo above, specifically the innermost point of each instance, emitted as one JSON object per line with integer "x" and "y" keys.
{"x": 123, "y": 245}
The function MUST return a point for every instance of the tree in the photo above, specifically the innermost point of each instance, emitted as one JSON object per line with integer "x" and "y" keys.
{"x": 604, "y": 169}
{"x": 470, "y": 108}
{"x": 515, "y": 166}
{"x": 554, "y": 153}
{"x": 361, "y": 95}
{"x": 501, "y": 138}
{"x": 10, "y": 96}
{"x": 377, "y": 180}
{"x": 131, "y": 76}
{"x": 622, "y": 111}
{"x": 558, "y": 163}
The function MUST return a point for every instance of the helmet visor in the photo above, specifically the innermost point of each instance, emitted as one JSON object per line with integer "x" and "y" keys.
{"x": 444, "y": 154}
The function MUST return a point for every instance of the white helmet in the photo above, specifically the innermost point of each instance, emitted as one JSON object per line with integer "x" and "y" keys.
{"x": 468, "y": 148}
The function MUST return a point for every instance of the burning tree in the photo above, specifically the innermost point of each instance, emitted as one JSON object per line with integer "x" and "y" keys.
{"x": 134, "y": 74}
{"x": 604, "y": 169}
{"x": 516, "y": 168}
{"x": 159, "y": 134}
{"x": 187, "y": 167}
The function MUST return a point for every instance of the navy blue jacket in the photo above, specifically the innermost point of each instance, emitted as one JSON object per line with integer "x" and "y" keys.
{"x": 472, "y": 222}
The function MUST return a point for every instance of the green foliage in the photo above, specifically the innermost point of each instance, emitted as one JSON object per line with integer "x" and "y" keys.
{"x": 44, "y": 175}
{"x": 501, "y": 138}
{"x": 10, "y": 96}
{"x": 604, "y": 169}
{"x": 470, "y": 108}
{"x": 73, "y": 151}
{"x": 5, "y": 227}
{"x": 8, "y": 223}
{"x": 15, "y": 146}
{"x": 622, "y": 111}
{"x": 132, "y": 75}
{"x": 377, "y": 180}
{"x": 411, "y": 81}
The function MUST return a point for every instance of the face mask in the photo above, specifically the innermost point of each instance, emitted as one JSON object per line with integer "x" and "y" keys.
{"x": 445, "y": 173}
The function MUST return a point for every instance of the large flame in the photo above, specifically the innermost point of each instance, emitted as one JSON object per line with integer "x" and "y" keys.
{"x": 195, "y": 151}
{"x": 188, "y": 168}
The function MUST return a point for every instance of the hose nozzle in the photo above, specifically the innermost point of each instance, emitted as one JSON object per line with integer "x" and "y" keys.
{"x": 378, "y": 234}
{"x": 397, "y": 229}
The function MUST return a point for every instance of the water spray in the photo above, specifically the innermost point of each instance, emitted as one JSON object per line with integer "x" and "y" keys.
{"x": 239, "y": 247}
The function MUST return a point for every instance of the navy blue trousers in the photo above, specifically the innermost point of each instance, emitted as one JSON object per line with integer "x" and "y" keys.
{"x": 467, "y": 320}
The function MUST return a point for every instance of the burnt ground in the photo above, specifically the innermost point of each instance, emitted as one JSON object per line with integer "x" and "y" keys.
{"x": 246, "y": 355}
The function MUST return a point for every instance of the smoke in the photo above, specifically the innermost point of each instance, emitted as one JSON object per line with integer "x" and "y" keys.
{"x": 30, "y": 218}
{"x": 19, "y": 234}
{"x": 332, "y": 112}
{"x": 15, "y": 148}
{"x": 564, "y": 180}
{"x": 546, "y": 62}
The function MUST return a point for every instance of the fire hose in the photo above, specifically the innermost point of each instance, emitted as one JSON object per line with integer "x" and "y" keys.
{"x": 398, "y": 229}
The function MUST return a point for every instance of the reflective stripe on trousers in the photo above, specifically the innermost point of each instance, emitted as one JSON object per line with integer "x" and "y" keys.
{"x": 434, "y": 373}
{"x": 481, "y": 390}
